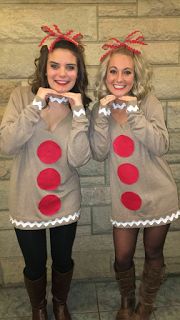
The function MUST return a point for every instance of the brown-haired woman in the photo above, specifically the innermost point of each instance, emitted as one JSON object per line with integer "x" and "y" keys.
{"x": 45, "y": 128}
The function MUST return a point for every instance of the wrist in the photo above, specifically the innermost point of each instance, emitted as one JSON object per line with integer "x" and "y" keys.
{"x": 132, "y": 107}
{"x": 104, "y": 110}
{"x": 38, "y": 103}
{"x": 58, "y": 99}
{"x": 78, "y": 111}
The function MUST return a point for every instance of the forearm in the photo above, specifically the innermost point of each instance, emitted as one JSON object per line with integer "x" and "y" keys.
{"x": 79, "y": 151}
{"x": 99, "y": 134}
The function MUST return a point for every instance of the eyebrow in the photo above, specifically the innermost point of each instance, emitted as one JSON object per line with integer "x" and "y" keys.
{"x": 69, "y": 64}
{"x": 127, "y": 68}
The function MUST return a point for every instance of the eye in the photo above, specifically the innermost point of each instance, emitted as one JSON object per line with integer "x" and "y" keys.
{"x": 54, "y": 66}
{"x": 127, "y": 72}
{"x": 70, "y": 67}
{"x": 112, "y": 71}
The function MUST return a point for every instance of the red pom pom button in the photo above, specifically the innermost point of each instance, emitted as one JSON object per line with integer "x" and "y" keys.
{"x": 123, "y": 146}
{"x": 131, "y": 200}
{"x": 128, "y": 173}
{"x": 49, "y": 151}
{"x": 49, "y": 205}
{"x": 49, "y": 179}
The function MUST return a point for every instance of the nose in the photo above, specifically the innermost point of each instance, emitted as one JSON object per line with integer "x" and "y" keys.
{"x": 119, "y": 77}
{"x": 62, "y": 72}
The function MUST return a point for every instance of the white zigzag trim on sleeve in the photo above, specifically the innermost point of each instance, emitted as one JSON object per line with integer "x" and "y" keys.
{"x": 131, "y": 108}
{"x": 59, "y": 100}
{"x": 118, "y": 106}
{"x": 78, "y": 113}
{"x": 144, "y": 223}
{"x": 49, "y": 223}
{"x": 105, "y": 112}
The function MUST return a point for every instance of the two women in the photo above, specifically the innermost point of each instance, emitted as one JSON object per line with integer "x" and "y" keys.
{"x": 46, "y": 129}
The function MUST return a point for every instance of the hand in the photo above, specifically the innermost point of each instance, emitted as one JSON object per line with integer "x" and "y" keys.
{"x": 127, "y": 99}
{"x": 107, "y": 99}
{"x": 44, "y": 93}
{"x": 75, "y": 99}
{"x": 120, "y": 115}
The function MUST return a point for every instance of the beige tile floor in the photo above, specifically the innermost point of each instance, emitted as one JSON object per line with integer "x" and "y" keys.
{"x": 91, "y": 300}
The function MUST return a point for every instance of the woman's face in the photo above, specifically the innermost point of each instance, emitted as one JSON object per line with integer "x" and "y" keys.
{"x": 61, "y": 70}
{"x": 120, "y": 74}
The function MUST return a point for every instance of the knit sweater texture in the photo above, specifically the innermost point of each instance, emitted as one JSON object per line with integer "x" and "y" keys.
{"x": 143, "y": 190}
{"x": 44, "y": 184}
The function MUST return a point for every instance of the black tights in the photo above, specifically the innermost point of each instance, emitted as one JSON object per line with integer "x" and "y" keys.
{"x": 125, "y": 245}
{"x": 33, "y": 245}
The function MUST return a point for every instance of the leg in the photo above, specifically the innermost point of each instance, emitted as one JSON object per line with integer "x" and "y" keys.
{"x": 125, "y": 244}
{"x": 34, "y": 250}
{"x": 62, "y": 239}
{"x": 154, "y": 239}
{"x": 33, "y": 247}
{"x": 154, "y": 269}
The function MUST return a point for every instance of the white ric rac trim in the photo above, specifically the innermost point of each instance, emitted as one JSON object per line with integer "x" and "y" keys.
{"x": 105, "y": 112}
{"x": 78, "y": 113}
{"x": 59, "y": 221}
{"x": 59, "y": 100}
{"x": 39, "y": 105}
{"x": 131, "y": 108}
{"x": 143, "y": 223}
{"x": 118, "y": 106}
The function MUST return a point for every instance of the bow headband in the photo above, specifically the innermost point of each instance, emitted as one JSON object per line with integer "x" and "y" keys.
{"x": 58, "y": 35}
{"x": 131, "y": 39}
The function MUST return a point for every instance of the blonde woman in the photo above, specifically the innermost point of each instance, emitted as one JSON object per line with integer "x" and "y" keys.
{"x": 128, "y": 128}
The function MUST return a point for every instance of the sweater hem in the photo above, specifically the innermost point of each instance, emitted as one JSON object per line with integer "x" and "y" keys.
{"x": 144, "y": 223}
{"x": 44, "y": 224}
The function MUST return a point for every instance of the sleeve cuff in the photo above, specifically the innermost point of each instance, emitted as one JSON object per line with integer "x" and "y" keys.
{"x": 38, "y": 103}
{"x": 104, "y": 111}
{"x": 132, "y": 108}
{"x": 78, "y": 111}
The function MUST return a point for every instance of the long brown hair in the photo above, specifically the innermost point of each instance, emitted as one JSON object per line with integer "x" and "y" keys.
{"x": 39, "y": 78}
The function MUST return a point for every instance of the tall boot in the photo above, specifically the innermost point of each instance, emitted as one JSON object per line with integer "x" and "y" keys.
{"x": 126, "y": 282}
{"x": 60, "y": 289}
{"x": 37, "y": 292}
{"x": 151, "y": 281}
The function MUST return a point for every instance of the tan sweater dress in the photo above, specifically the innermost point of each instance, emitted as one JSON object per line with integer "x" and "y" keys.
{"x": 143, "y": 190}
{"x": 44, "y": 184}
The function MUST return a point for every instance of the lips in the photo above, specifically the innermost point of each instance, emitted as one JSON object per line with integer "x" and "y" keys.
{"x": 62, "y": 82}
{"x": 119, "y": 87}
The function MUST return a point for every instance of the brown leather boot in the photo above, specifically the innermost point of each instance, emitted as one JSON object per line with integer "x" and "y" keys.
{"x": 126, "y": 281}
{"x": 60, "y": 289}
{"x": 37, "y": 293}
{"x": 151, "y": 281}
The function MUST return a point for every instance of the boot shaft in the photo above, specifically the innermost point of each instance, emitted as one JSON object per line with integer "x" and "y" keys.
{"x": 126, "y": 282}
{"x": 37, "y": 294}
{"x": 36, "y": 290}
{"x": 60, "y": 289}
{"x": 151, "y": 281}
{"x": 61, "y": 285}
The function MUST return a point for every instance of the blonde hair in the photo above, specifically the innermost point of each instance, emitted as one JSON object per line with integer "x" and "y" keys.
{"x": 142, "y": 75}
